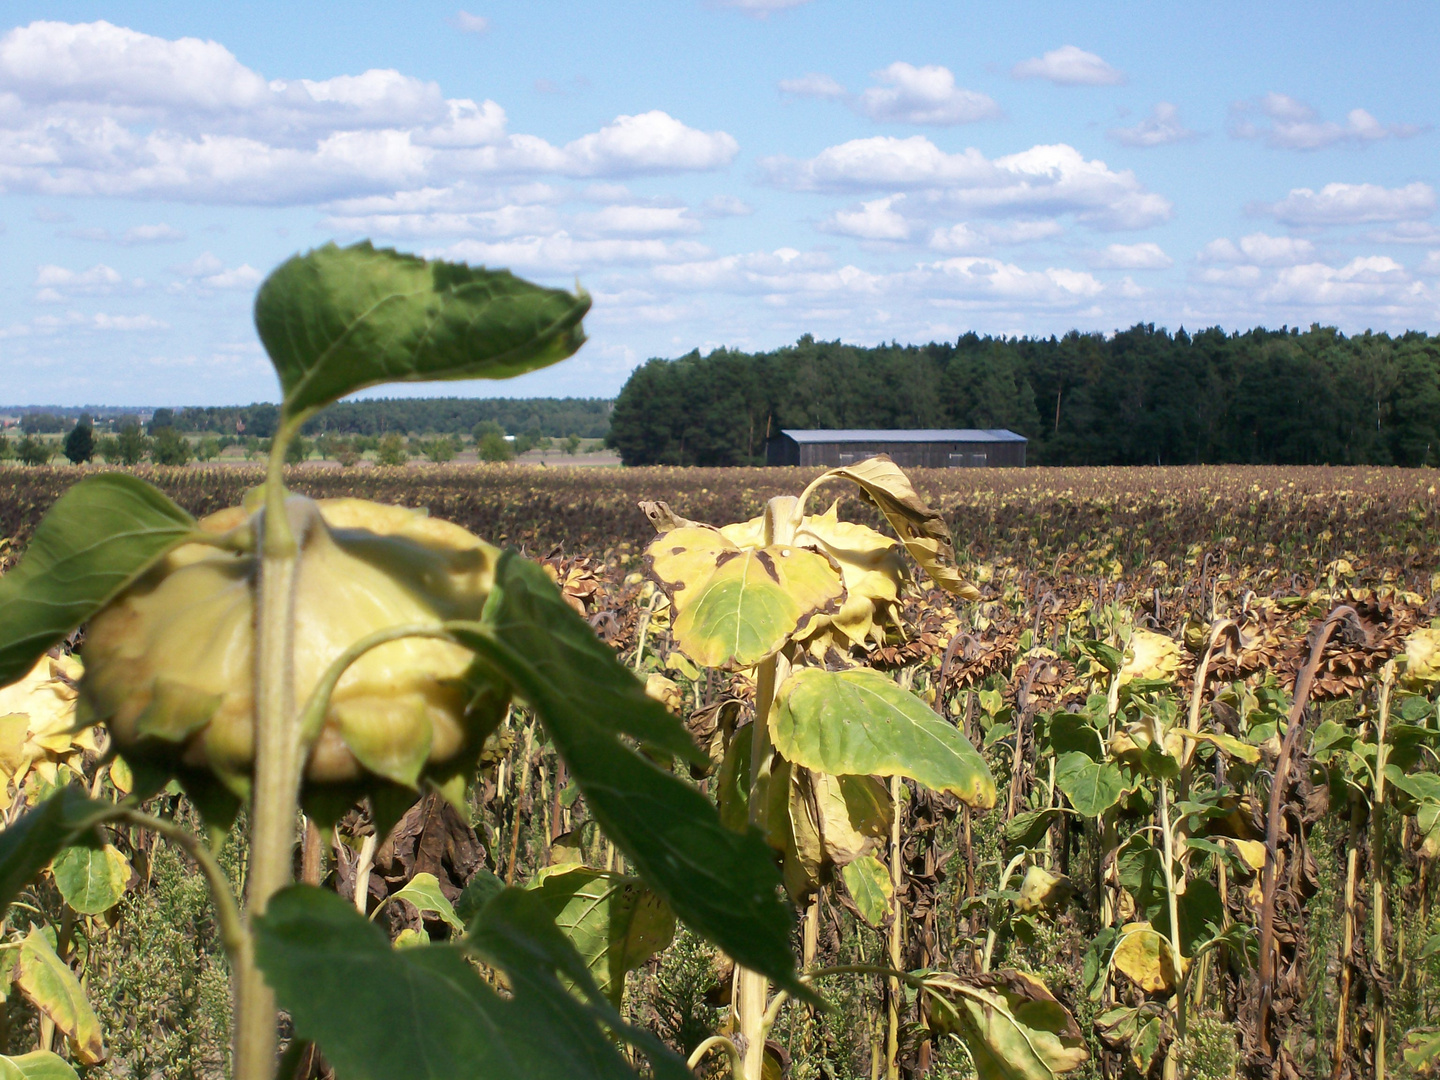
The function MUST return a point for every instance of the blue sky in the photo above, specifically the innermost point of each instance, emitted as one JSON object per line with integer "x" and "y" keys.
{"x": 715, "y": 172}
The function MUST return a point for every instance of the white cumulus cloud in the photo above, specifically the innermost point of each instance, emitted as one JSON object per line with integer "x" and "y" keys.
{"x": 1069, "y": 65}
{"x": 650, "y": 142}
{"x": 965, "y": 281}
{"x": 923, "y": 95}
{"x": 1353, "y": 204}
{"x": 1147, "y": 256}
{"x": 1048, "y": 180}
{"x": 1289, "y": 123}
{"x": 968, "y": 238}
{"x": 101, "y": 110}
{"x": 1260, "y": 249}
{"x": 873, "y": 220}
{"x": 206, "y": 271}
{"x": 1367, "y": 279}
{"x": 561, "y": 252}
{"x": 1160, "y": 128}
{"x": 636, "y": 221}
{"x": 54, "y": 283}
{"x": 814, "y": 85}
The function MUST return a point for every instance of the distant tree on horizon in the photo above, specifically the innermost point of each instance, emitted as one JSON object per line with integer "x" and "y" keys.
{"x": 80, "y": 443}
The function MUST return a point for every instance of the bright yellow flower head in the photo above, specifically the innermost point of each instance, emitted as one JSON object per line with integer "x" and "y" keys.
{"x": 1150, "y": 656}
{"x": 37, "y": 722}
{"x": 1422, "y": 654}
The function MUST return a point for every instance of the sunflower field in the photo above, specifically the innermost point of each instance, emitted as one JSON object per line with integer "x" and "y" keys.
{"x": 1169, "y": 674}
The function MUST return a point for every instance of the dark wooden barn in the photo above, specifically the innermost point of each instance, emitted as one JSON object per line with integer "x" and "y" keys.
{"x": 930, "y": 448}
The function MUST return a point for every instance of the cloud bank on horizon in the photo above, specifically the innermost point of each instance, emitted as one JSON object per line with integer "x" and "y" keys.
{"x": 803, "y": 175}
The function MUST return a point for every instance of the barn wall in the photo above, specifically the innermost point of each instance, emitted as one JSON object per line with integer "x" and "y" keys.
{"x": 784, "y": 450}
{"x": 941, "y": 455}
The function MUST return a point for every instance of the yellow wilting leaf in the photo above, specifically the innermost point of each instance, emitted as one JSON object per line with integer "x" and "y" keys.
{"x": 1012, "y": 1025}
{"x": 806, "y": 847}
{"x": 1227, "y": 743}
{"x": 1252, "y": 852}
{"x": 855, "y": 814}
{"x": 873, "y": 572}
{"x": 121, "y": 776}
{"x": 1042, "y": 889}
{"x": 791, "y": 828}
{"x": 51, "y": 987}
{"x": 1145, "y": 958}
{"x": 753, "y": 603}
{"x": 922, "y": 530}
{"x": 867, "y": 880}
{"x": 682, "y": 559}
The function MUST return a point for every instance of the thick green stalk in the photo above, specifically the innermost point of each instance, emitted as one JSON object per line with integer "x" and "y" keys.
{"x": 897, "y": 936}
{"x": 278, "y": 764}
{"x": 752, "y": 988}
{"x": 1172, "y": 1061}
{"x": 1347, "y": 947}
{"x": 1377, "y": 866}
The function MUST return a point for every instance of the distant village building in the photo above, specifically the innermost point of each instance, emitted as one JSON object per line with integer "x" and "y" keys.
{"x": 928, "y": 448}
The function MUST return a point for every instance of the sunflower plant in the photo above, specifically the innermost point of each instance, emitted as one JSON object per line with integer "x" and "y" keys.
{"x": 796, "y": 600}
{"x": 290, "y": 653}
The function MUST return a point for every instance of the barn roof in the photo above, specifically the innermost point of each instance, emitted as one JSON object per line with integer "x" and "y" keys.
{"x": 901, "y": 435}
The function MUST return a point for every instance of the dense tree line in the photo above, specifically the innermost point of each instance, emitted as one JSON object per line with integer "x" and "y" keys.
{"x": 1142, "y": 396}
{"x": 553, "y": 418}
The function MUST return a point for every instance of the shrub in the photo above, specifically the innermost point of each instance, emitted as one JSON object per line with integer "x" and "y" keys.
{"x": 391, "y": 451}
{"x": 131, "y": 444}
{"x": 34, "y": 451}
{"x": 439, "y": 450}
{"x": 493, "y": 447}
{"x": 170, "y": 448}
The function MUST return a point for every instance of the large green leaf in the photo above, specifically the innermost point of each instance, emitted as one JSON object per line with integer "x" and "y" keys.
{"x": 49, "y": 984}
{"x": 28, "y": 846}
{"x": 1028, "y": 829}
{"x": 615, "y": 922}
{"x": 36, "y": 1065}
{"x": 860, "y": 722}
{"x": 516, "y": 933}
{"x": 423, "y": 1014}
{"x": 336, "y": 320}
{"x": 722, "y": 883}
{"x": 1141, "y": 869}
{"x": 91, "y": 877}
{"x": 99, "y": 536}
{"x": 1010, "y": 1022}
{"x": 1091, "y": 786}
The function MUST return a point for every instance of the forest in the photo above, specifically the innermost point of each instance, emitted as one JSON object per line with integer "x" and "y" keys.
{"x": 1143, "y": 396}
{"x": 554, "y": 418}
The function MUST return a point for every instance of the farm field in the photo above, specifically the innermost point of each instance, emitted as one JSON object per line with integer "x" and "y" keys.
{"x": 1117, "y": 609}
